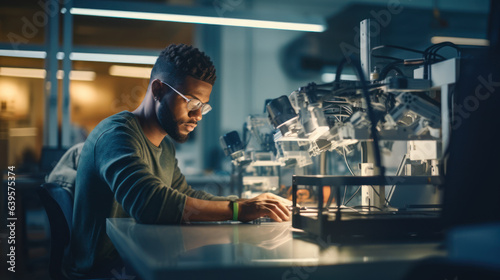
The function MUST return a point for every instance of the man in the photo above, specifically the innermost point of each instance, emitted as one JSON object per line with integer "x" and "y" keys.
{"x": 127, "y": 167}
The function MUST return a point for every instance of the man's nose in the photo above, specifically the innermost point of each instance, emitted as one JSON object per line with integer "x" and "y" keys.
{"x": 196, "y": 114}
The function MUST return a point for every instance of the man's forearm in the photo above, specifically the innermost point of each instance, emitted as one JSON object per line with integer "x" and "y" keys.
{"x": 207, "y": 210}
{"x": 266, "y": 204}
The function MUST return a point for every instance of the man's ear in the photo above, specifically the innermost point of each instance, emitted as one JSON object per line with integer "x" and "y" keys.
{"x": 156, "y": 89}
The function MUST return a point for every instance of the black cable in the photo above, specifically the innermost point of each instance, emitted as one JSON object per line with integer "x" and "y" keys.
{"x": 387, "y": 57}
{"x": 399, "y": 48}
{"x": 371, "y": 115}
{"x": 430, "y": 55}
{"x": 350, "y": 170}
{"x": 352, "y": 196}
{"x": 340, "y": 67}
{"x": 388, "y": 68}
{"x": 330, "y": 199}
{"x": 376, "y": 192}
{"x": 451, "y": 117}
{"x": 397, "y": 71}
{"x": 378, "y": 160}
{"x": 431, "y": 52}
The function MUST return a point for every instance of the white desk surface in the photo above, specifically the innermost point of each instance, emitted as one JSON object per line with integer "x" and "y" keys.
{"x": 249, "y": 251}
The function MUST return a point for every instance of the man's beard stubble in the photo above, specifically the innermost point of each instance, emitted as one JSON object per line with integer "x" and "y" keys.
{"x": 169, "y": 124}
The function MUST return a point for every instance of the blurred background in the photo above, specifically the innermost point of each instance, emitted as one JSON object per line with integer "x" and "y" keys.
{"x": 61, "y": 75}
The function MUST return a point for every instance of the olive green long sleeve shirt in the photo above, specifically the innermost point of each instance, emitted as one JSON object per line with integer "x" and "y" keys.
{"x": 122, "y": 174}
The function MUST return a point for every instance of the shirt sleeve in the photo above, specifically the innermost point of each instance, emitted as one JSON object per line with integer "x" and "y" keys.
{"x": 118, "y": 158}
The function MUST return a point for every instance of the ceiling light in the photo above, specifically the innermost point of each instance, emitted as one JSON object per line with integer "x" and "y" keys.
{"x": 198, "y": 16}
{"x": 130, "y": 71}
{"x": 22, "y": 72}
{"x": 21, "y": 53}
{"x": 23, "y": 132}
{"x": 76, "y": 75}
{"x": 84, "y": 56}
{"x": 460, "y": 41}
{"x": 113, "y": 58}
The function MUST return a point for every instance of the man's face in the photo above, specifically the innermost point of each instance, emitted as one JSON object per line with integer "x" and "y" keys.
{"x": 174, "y": 117}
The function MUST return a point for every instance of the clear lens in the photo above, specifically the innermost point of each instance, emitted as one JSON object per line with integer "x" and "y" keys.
{"x": 194, "y": 104}
{"x": 205, "y": 109}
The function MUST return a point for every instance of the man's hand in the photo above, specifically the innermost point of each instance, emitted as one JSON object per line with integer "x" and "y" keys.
{"x": 266, "y": 204}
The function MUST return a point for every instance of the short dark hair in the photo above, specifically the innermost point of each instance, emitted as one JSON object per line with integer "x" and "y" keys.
{"x": 176, "y": 62}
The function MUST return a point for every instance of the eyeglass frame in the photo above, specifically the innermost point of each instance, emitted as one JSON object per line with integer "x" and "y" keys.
{"x": 203, "y": 105}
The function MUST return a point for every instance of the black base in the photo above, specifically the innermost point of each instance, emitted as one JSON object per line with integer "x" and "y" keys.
{"x": 378, "y": 227}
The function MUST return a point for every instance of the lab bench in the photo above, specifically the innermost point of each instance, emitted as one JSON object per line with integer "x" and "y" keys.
{"x": 269, "y": 250}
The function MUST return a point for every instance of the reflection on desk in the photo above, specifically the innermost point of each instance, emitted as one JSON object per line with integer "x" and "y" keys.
{"x": 269, "y": 250}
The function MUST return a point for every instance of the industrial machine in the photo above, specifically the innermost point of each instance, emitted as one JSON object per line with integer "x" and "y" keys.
{"x": 405, "y": 103}
{"x": 256, "y": 168}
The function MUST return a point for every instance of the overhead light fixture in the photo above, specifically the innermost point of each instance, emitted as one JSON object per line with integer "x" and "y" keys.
{"x": 23, "y": 132}
{"x": 113, "y": 58}
{"x": 130, "y": 71}
{"x": 460, "y": 41}
{"x": 161, "y": 12}
{"x": 23, "y": 53}
{"x": 22, "y": 72}
{"x": 82, "y": 56}
{"x": 238, "y": 22}
{"x": 76, "y": 75}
